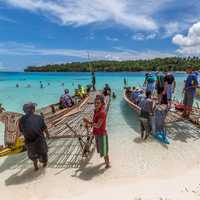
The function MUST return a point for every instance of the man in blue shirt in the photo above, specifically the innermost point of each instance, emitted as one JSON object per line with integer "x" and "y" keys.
{"x": 189, "y": 90}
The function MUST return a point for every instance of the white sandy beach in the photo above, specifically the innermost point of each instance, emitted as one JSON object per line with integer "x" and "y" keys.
{"x": 140, "y": 170}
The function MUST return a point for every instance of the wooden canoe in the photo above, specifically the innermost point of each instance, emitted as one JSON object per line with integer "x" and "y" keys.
{"x": 172, "y": 116}
{"x": 51, "y": 113}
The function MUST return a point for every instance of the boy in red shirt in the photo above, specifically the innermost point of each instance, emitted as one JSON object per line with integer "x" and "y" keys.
{"x": 99, "y": 128}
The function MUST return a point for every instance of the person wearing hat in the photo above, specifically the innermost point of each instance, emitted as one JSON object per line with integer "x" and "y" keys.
{"x": 33, "y": 127}
{"x": 99, "y": 128}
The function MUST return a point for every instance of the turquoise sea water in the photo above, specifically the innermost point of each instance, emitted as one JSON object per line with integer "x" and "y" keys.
{"x": 120, "y": 116}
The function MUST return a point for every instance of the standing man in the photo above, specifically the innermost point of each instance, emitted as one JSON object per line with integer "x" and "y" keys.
{"x": 99, "y": 128}
{"x": 169, "y": 87}
{"x": 149, "y": 82}
{"x": 93, "y": 81}
{"x": 32, "y": 127}
{"x": 189, "y": 90}
{"x": 159, "y": 85}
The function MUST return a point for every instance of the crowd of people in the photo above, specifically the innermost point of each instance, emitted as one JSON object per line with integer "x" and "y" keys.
{"x": 155, "y": 99}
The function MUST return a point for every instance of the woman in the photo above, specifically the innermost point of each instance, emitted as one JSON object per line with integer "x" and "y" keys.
{"x": 99, "y": 128}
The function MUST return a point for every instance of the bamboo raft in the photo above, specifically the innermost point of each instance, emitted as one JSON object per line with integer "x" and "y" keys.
{"x": 65, "y": 123}
{"x": 172, "y": 116}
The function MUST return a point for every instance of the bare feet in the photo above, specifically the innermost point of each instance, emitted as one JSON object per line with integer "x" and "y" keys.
{"x": 35, "y": 163}
{"x": 44, "y": 164}
{"x": 108, "y": 166}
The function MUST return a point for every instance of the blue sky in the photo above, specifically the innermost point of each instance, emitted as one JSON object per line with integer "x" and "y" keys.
{"x": 37, "y": 32}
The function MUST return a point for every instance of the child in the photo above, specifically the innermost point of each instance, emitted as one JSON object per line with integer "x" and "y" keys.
{"x": 146, "y": 106}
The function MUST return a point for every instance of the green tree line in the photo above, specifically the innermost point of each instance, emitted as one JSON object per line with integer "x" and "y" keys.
{"x": 163, "y": 64}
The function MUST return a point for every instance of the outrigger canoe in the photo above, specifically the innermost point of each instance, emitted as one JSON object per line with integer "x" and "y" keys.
{"x": 14, "y": 141}
{"x": 172, "y": 116}
{"x": 65, "y": 123}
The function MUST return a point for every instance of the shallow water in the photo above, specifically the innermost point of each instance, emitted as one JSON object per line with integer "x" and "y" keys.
{"x": 120, "y": 118}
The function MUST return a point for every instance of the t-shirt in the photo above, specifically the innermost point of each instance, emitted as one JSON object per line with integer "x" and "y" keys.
{"x": 146, "y": 106}
{"x": 67, "y": 100}
{"x": 191, "y": 81}
{"x": 169, "y": 78}
{"x": 135, "y": 95}
{"x": 32, "y": 127}
{"x": 101, "y": 114}
{"x": 150, "y": 79}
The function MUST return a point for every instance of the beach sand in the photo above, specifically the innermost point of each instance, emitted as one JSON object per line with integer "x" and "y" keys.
{"x": 140, "y": 170}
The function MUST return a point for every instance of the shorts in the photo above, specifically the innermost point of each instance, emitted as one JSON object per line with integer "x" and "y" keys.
{"x": 164, "y": 99}
{"x": 38, "y": 150}
{"x": 169, "y": 92}
{"x": 102, "y": 145}
{"x": 150, "y": 87}
{"x": 160, "y": 90}
{"x": 188, "y": 99}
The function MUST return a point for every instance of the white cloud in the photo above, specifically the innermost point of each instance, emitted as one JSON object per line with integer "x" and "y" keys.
{"x": 138, "y": 36}
{"x": 171, "y": 28}
{"x": 189, "y": 44}
{"x": 142, "y": 36}
{"x": 13, "y": 48}
{"x": 135, "y": 14}
{"x": 113, "y": 39}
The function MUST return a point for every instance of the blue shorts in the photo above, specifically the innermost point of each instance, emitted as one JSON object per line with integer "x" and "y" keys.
{"x": 150, "y": 87}
{"x": 169, "y": 92}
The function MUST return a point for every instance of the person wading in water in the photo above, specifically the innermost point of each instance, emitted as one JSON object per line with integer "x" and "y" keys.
{"x": 93, "y": 81}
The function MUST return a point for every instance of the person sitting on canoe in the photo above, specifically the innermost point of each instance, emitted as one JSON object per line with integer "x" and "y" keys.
{"x": 66, "y": 100}
{"x": 140, "y": 96}
{"x": 149, "y": 82}
{"x": 33, "y": 127}
{"x": 1, "y": 108}
{"x": 189, "y": 90}
{"x": 99, "y": 128}
{"x": 107, "y": 90}
{"x": 169, "y": 86}
{"x": 134, "y": 95}
{"x": 81, "y": 91}
{"x": 146, "y": 106}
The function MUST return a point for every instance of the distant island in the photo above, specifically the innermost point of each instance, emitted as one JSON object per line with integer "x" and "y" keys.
{"x": 163, "y": 64}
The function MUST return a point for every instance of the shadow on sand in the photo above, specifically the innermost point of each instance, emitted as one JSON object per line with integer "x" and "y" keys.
{"x": 183, "y": 131}
{"x": 20, "y": 177}
{"x": 63, "y": 154}
{"x": 88, "y": 173}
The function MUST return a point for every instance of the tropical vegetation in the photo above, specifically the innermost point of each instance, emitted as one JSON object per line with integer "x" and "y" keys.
{"x": 163, "y": 64}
